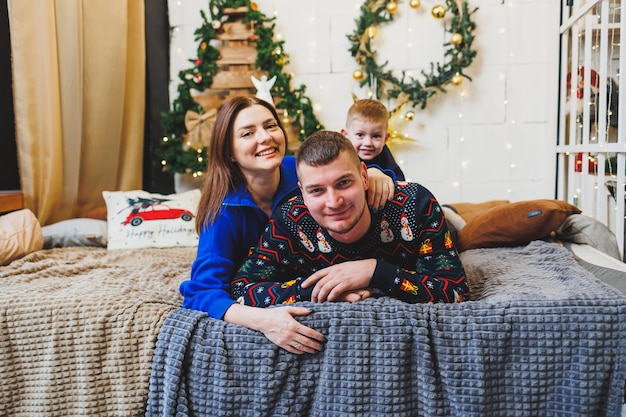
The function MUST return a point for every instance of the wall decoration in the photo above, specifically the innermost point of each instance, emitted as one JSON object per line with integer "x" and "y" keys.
{"x": 458, "y": 55}
{"x": 235, "y": 43}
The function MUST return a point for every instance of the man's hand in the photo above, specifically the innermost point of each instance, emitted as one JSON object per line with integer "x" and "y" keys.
{"x": 341, "y": 282}
{"x": 381, "y": 188}
{"x": 356, "y": 295}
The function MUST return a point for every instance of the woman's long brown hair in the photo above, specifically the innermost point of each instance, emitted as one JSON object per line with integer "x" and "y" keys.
{"x": 223, "y": 175}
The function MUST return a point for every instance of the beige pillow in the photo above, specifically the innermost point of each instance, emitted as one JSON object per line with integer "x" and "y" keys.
{"x": 514, "y": 224}
{"x": 20, "y": 234}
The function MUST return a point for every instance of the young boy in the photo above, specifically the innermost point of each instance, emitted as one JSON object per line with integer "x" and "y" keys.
{"x": 366, "y": 127}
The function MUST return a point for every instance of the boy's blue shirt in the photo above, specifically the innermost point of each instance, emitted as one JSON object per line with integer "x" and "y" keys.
{"x": 387, "y": 164}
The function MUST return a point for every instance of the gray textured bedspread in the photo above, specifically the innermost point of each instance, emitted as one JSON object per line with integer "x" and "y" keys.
{"x": 541, "y": 337}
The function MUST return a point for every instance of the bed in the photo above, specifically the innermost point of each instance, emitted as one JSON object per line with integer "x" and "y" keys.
{"x": 95, "y": 331}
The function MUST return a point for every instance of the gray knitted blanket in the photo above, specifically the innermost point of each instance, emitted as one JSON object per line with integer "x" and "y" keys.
{"x": 541, "y": 337}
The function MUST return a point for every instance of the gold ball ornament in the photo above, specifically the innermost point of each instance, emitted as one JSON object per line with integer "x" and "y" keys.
{"x": 456, "y": 39}
{"x": 392, "y": 7}
{"x": 415, "y": 4}
{"x": 371, "y": 32}
{"x": 456, "y": 80}
{"x": 358, "y": 75}
{"x": 409, "y": 116}
{"x": 254, "y": 6}
{"x": 438, "y": 11}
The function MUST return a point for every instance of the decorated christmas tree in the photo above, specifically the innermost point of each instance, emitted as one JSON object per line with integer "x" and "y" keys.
{"x": 236, "y": 48}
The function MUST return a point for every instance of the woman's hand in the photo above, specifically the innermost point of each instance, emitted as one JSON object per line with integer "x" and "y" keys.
{"x": 381, "y": 188}
{"x": 279, "y": 326}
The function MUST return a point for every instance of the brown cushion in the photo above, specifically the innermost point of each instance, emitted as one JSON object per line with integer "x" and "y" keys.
{"x": 469, "y": 211}
{"x": 514, "y": 224}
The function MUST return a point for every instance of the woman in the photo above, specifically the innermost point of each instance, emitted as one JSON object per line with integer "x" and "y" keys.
{"x": 248, "y": 176}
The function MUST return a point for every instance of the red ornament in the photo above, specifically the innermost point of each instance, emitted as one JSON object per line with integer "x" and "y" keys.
{"x": 252, "y": 37}
{"x": 592, "y": 164}
{"x": 198, "y": 62}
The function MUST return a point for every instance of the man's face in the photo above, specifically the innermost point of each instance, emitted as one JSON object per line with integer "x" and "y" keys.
{"x": 335, "y": 196}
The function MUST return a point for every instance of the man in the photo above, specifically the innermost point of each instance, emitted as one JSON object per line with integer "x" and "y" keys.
{"x": 327, "y": 245}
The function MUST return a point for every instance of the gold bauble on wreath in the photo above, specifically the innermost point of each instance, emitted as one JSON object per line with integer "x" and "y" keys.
{"x": 456, "y": 80}
{"x": 392, "y": 7}
{"x": 414, "y": 4}
{"x": 456, "y": 39}
{"x": 372, "y": 32}
{"x": 358, "y": 75}
{"x": 438, "y": 11}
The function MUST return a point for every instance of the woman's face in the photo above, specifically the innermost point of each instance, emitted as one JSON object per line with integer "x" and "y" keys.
{"x": 258, "y": 141}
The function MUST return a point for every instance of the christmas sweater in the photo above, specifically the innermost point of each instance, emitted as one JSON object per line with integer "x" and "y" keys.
{"x": 417, "y": 260}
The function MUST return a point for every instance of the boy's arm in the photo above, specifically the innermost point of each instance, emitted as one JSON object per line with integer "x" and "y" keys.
{"x": 270, "y": 274}
{"x": 388, "y": 172}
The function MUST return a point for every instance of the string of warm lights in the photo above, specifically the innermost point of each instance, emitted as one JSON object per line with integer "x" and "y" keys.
{"x": 458, "y": 53}
{"x": 176, "y": 154}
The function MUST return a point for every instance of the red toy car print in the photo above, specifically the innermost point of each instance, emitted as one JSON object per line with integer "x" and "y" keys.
{"x": 157, "y": 212}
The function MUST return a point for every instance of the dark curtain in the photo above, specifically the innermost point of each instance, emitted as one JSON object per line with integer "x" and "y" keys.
{"x": 9, "y": 172}
{"x": 157, "y": 94}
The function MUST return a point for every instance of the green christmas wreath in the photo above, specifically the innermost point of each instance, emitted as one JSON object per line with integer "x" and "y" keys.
{"x": 174, "y": 155}
{"x": 458, "y": 53}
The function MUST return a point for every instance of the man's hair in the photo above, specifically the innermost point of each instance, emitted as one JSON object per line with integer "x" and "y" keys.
{"x": 369, "y": 110}
{"x": 323, "y": 147}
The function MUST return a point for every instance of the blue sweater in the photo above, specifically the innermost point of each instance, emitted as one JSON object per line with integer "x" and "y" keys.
{"x": 225, "y": 244}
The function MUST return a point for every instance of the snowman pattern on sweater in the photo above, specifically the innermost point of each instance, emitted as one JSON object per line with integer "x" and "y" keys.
{"x": 416, "y": 259}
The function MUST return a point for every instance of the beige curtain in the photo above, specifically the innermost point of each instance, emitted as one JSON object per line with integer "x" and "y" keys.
{"x": 78, "y": 71}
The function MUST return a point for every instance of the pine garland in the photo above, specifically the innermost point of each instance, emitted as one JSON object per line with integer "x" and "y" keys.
{"x": 174, "y": 155}
{"x": 458, "y": 52}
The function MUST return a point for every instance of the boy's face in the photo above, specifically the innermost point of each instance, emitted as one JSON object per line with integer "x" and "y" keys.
{"x": 367, "y": 137}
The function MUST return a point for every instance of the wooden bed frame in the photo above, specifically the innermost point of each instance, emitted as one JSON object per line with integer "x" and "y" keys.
{"x": 11, "y": 200}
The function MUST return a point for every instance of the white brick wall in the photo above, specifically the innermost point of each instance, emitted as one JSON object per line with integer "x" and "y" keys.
{"x": 493, "y": 138}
